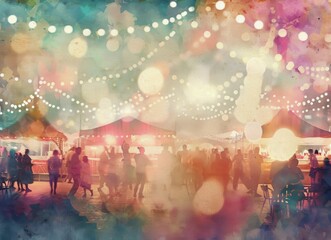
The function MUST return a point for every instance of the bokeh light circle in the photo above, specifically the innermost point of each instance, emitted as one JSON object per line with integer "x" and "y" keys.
{"x": 150, "y": 81}
{"x": 77, "y": 47}
{"x": 258, "y": 24}
{"x": 113, "y": 44}
{"x": 220, "y": 5}
{"x": 209, "y": 199}
{"x": 253, "y": 131}
{"x": 282, "y": 145}
{"x": 12, "y": 19}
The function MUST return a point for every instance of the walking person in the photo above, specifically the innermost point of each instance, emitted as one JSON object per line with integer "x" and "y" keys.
{"x": 255, "y": 163}
{"x": 53, "y": 165}
{"x": 67, "y": 158}
{"x": 238, "y": 170}
{"x": 86, "y": 176}
{"x": 12, "y": 168}
{"x": 75, "y": 167}
{"x": 142, "y": 161}
{"x": 27, "y": 177}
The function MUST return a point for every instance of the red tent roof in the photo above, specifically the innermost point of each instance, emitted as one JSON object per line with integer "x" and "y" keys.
{"x": 126, "y": 127}
{"x": 301, "y": 128}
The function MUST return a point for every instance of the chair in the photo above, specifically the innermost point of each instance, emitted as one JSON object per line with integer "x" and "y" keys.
{"x": 268, "y": 196}
{"x": 3, "y": 184}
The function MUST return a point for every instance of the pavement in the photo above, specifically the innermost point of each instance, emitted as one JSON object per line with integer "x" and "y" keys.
{"x": 181, "y": 214}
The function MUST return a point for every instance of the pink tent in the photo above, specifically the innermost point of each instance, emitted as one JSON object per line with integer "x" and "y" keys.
{"x": 288, "y": 119}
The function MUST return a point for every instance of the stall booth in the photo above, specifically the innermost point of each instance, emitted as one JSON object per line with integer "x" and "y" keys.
{"x": 286, "y": 134}
{"x": 132, "y": 131}
{"x": 32, "y": 131}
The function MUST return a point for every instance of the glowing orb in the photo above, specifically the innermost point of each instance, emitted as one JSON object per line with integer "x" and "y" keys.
{"x": 282, "y": 32}
{"x": 12, "y": 19}
{"x": 258, "y": 24}
{"x": 253, "y": 131}
{"x": 113, "y": 45}
{"x": 77, "y": 47}
{"x": 282, "y": 145}
{"x": 220, "y": 5}
{"x": 209, "y": 199}
{"x": 68, "y": 29}
{"x": 32, "y": 24}
{"x": 240, "y": 18}
{"x": 303, "y": 36}
{"x": 173, "y": 4}
{"x": 150, "y": 81}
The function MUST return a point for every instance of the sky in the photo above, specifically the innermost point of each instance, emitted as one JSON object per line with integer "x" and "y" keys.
{"x": 202, "y": 67}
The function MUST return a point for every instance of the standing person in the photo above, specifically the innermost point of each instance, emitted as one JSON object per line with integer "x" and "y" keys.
{"x": 141, "y": 162}
{"x": 4, "y": 159}
{"x": 313, "y": 166}
{"x": 166, "y": 163}
{"x": 103, "y": 165}
{"x": 225, "y": 168}
{"x": 86, "y": 176}
{"x": 111, "y": 174}
{"x": 12, "y": 168}
{"x": 20, "y": 171}
{"x": 67, "y": 160}
{"x": 238, "y": 170}
{"x": 75, "y": 167}
{"x": 128, "y": 169}
{"x": 27, "y": 177}
{"x": 53, "y": 165}
{"x": 255, "y": 163}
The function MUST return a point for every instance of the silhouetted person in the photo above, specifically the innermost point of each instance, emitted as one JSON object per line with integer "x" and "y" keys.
{"x": 75, "y": 167}
{"x": 313, "y": 166}
{"x": 128, "y": 169}
{"x": 4, "y": 159}
{"x": 238, "y": 170}
{"x": 27, "y": 174}
{"x": 111, "y": 174}
{"x": 325, "y": 184}
{"x": 103, "y": 165}
{"x": 12, "y": 167}
{"x": 86, "y": 176}
{"x": 142, "y": 161}
{"x": 67, "y": 158}
{"x": 295, "y": 186}
{"x": 255, "y": 161}
{"x": 53, "y": 166}
{"x": 20, "y": 171}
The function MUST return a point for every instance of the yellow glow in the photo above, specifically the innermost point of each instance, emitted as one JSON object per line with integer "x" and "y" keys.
{"x": 110, "y": 140}
{"x": 209, "y": 199}
{"x": 77, "y": 47}
{"x": 21, "y": 43}
{"x": 150, "y": 81}
{"x": 282, "y": 145}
